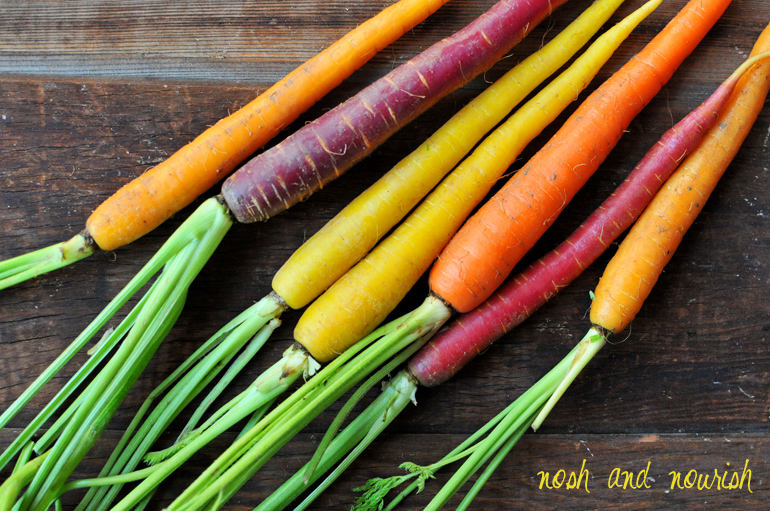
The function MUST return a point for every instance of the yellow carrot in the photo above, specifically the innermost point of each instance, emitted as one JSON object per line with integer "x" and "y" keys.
{"x": 365, "y": 295}
{"x": 343, "y": 241}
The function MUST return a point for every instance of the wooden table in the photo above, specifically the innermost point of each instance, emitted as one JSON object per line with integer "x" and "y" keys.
{"x": 94, "y": 93}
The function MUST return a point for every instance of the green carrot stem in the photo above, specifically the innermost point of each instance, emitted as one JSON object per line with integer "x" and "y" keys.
{"x": 77, "y": 379}
{"x": 251, "y": 451}
{"x": 108, "y": 388}
{"x": 331, "y": 433}
{"x": 589, "y": 346}
{"x": 24, "y": 456}
{"x": 231, "y": 338}
{"x": 265, "y": 389}
{"x": 253, "y": 420}
{"x": 517, "y": 417}
{"x": 237, "y": 366}
{"x": 396, "y": 395}
{"x": 181, "y": 238}
{"x": 496, "y": 438}
{"x": 120, "y": 479}
{"x": 388, "y": 404}
{"x": 28, "y": 266}
{"x": 213, "y": 214}
{"x": 12, "y": 486}
{"x": 516, "y": 434}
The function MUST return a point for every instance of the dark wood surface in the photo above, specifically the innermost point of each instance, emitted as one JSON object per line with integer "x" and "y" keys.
{"x": 94, "y": 93}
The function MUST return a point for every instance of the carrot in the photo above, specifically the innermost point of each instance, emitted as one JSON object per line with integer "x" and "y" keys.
{"x": 489, "y": 38}
{"x": 633, "y": 271}
{"x": 150, "y": 199}
{"x": 659, "y": 229}
{"x": 352, "y": 233}
{"x": 456, "y": 345}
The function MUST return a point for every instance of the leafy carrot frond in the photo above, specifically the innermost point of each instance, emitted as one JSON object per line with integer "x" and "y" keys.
{"x": 375, "y": 490}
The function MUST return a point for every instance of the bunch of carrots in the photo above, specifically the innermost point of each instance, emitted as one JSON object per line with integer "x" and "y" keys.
{"x": 432, "y": 318}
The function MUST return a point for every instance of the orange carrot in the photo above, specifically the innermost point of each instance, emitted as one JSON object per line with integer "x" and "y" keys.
{"x": 510, "y": 223}
{"x": 149, "y": 200}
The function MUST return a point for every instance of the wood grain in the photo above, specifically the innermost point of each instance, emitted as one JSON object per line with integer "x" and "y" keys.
{"x": 94, "y": 93}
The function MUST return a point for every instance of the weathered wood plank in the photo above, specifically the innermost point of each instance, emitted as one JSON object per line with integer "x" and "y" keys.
{"x": 517, "y": 484}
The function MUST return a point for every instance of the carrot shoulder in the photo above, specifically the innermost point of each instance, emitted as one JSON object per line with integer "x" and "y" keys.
{"x": 510, "y": 223}
{"x": 147, "y": 201}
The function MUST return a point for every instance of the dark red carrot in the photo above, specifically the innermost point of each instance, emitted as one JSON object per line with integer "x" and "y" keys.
{"x": 327, "y": 147}
{"x": 473, "y": 332}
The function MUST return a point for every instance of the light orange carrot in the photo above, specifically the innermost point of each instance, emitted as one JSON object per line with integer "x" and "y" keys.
{"x": 153, "y": 197}
{"x": 484, "y": 252}
{"x": 652, "y": 241}
{"x": 648, "y": 247}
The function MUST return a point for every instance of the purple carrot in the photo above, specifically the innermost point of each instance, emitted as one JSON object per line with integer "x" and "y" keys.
{"x": 473, "y": 332}
{"x": 324, "y": 149}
